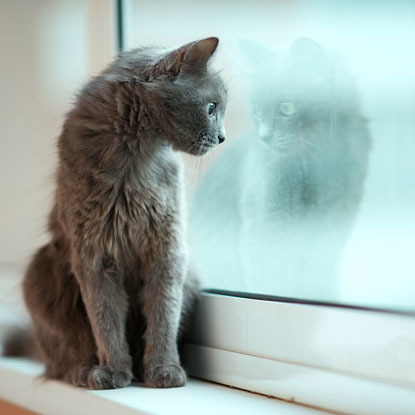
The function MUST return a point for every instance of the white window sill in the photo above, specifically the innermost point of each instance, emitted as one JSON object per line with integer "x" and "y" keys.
{"x": 21, "y": 385}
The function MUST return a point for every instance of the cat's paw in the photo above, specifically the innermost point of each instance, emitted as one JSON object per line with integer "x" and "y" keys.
{"x": 167, "y": 376}
{"x": 106, "y": 377}
{"x": 78, "y": 375}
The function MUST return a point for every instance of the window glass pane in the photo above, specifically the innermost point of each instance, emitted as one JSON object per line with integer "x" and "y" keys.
{"x": 313, "y": 195}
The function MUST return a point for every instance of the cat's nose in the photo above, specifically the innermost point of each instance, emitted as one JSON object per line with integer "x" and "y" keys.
{"x": 221, "y": 139}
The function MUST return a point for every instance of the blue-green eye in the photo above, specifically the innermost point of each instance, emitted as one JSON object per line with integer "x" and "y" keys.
{"x": 211, "y": 108}
{"x": 287, "y": 108}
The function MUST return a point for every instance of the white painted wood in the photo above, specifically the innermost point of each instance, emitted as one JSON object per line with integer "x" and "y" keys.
{"x": 21, "y": 385}
{"x": 351, "y": 361}
{"x": 364, "y": 354}
{"x": 319, "y": 388}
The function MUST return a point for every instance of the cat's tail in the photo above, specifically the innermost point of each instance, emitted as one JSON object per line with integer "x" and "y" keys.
{"x": 20, "y": 342}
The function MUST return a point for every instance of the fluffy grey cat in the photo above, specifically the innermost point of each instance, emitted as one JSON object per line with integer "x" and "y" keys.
{"x": 109, "y": 293}
{"x": 284, "y": 196}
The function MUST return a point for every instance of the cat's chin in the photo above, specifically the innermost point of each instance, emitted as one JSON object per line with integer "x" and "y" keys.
{"x": 200, "y": 149}
{"x": 280, "y": 148}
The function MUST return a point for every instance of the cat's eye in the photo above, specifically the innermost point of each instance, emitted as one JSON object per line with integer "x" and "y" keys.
{"x": 211, "y": 108}
{"x": 287, "y": 108}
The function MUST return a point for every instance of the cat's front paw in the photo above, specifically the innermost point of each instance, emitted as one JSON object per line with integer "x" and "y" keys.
{"x": 106, "y": 377}
{"x": 166, "y": 376}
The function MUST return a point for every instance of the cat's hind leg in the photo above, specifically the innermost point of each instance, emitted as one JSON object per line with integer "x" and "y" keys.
{"x": 191, "y": 294}
{"x": 62, "y": 331}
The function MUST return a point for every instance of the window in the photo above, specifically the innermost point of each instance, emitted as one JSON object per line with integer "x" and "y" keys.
{"x": 312, "y": 197}
{"x": 302, "y": 224}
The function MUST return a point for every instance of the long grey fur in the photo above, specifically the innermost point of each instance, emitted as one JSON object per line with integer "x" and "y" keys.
{"x": 110, "y": 291}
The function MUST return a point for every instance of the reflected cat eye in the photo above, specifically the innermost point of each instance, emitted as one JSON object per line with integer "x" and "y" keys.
{"x": 287, "y": 108}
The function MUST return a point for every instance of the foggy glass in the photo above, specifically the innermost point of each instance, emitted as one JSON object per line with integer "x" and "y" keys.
{"x": 313, "y": 195}
{"x": 299, "y": 176}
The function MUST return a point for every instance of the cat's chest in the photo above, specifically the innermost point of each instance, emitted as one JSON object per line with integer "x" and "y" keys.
{"x": 278, "y": 184}
{"x": 150, "y": 198}
{"x": 125, "y": 214}
{"x": 136, "y": 217}
{"x": 139, "y": 209}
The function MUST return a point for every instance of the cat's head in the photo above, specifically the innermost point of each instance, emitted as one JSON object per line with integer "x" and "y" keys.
{"x": 190, "y": 96}
{"x": 292, "y": 95}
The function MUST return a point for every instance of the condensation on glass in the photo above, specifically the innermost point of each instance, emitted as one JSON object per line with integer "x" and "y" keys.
{"x": 313, "y": 195}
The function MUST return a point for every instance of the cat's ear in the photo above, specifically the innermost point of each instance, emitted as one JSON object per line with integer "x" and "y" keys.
{"x": 255, "y": 53}
{"x": 309, "y": 58}
{"x": 190, "y": 59}
{"x": 197, "y": 55}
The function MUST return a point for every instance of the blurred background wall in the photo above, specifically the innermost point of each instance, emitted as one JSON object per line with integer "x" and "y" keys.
{"x": 48, "y": 49}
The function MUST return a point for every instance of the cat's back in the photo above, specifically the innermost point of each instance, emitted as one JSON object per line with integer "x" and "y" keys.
{"x": 118, "y": 184}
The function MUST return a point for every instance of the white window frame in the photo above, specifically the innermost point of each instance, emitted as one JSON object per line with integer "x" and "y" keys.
{"x": 336, "y": 358}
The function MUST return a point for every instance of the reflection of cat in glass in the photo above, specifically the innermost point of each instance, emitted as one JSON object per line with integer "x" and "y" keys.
{"x": 285, "y": 195}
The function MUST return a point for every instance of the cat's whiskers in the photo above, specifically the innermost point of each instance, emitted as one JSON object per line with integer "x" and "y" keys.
{"x": 203, "y": 164}
{"x": 313, "y": 157}
{"x": 227, "y": 81}
{"x": 303, "y": 140}
{"x": 301, "y": 156}
{"x": 199, "y": 165}
{"x": 283, "y": 146}
{"x": 310, "y": 149}
{"x": 192, "y": 181}
{"x": 188, "y": 150}
{"x": 196, "y": 166}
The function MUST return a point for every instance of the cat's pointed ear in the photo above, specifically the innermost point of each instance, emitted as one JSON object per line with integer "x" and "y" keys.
{"x": 255, "y": 53}
{"x": 197, "y": 56}
{"x": 189, "y": 59}
{"x": 308, "y": 57}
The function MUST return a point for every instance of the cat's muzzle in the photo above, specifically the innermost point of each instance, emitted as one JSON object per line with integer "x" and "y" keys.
{"x": 205, "y": 143}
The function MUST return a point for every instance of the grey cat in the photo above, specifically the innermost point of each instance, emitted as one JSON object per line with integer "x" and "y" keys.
{"x": 285, "y": 195}
{"x": 111, "y": 291}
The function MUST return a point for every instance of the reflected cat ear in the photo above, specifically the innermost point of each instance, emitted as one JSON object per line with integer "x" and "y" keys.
{"x": 255, "y": 53}
{"x": 190, "y": 59}
{"x": 309, "y": 58}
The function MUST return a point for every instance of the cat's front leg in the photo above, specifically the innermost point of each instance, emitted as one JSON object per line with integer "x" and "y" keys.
{"x": 106, "y": 304}
{"x": 161, "y": 300}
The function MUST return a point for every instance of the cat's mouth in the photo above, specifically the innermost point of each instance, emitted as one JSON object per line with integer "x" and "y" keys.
{"x": 288, "y": 145}
{"x": 202, "y": 145}
{"x": 202, "y": 148}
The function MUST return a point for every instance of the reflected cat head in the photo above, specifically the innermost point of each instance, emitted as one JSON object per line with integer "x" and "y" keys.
{"x": 297, "y": 95}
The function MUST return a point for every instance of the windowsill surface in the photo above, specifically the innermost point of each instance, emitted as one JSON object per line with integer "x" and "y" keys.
{"x": 21, "y": 385}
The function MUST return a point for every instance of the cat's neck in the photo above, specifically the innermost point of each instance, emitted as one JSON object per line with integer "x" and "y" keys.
{"x": 113, "y": 149}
